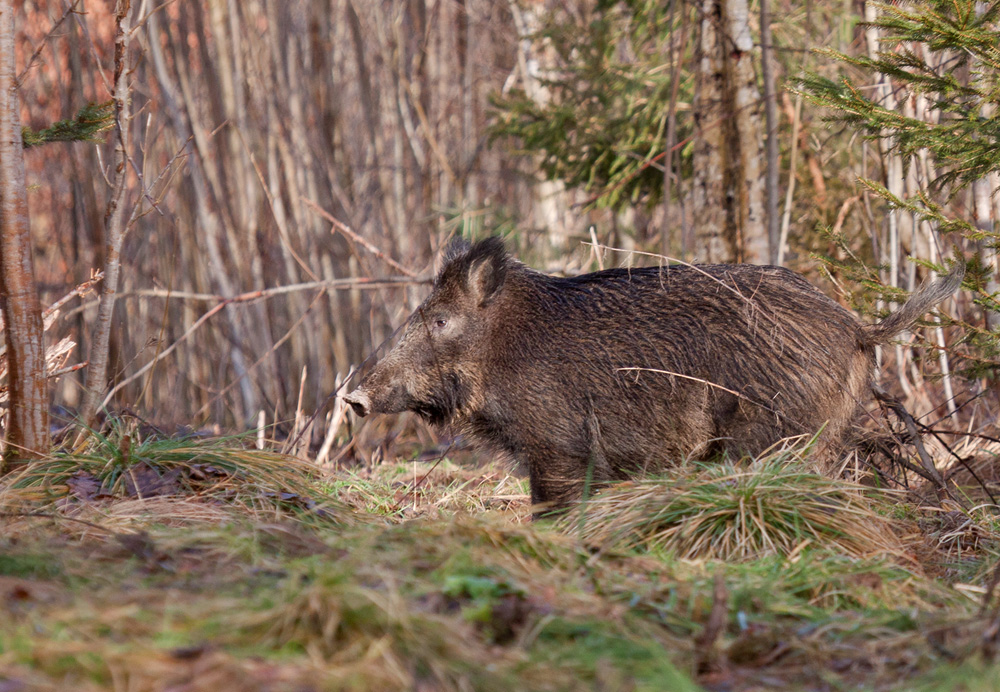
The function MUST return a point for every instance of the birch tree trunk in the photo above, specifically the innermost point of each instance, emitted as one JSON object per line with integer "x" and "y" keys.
{"x": 675, "y": 50}
{"x": 982, "y": 201}
{"x": 983, "y": 194}
{"x": 550, "y": 198}
{"x": 114, "y": 222}
{"x": 712, "y": 239}
{"x": 771, "y": 121}
{"x": 728, "y": 195}
{"x": 28, "y": 419}
{"x": 900, "y": 225}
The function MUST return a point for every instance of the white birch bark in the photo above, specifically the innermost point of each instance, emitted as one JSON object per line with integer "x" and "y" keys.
{"x": 729, "y": 184}
{"x": 894, "y": 183}
{"x": 550, "y": 200}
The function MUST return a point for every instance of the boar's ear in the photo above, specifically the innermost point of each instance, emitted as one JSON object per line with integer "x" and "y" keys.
{"x": 488, "y": 263}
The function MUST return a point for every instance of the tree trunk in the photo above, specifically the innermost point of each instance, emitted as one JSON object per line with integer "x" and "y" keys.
{"x": 28, "y": 419}
{"x": 771, "y": 121}
{"x": 983, "y": 195}
{"x": 900, "y": 224}
{"x": 675, "y": 50}
{"x": 712, "y": 243}
{"x": 728, "y": 195}
{"x": 209, "y": 238}
{"x": 114, "y": 223}
{"x": 551, "y": 202}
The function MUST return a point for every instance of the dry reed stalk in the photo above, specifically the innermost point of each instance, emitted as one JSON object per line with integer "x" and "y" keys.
{"x": 261, "y": 422}
{"x": 375, "y": 112}
{"x": 337, "y": 417}
{"x": 790, "y": 190}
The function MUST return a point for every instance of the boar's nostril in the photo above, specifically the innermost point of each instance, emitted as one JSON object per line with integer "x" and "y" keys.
{"x": 359, "y": 401}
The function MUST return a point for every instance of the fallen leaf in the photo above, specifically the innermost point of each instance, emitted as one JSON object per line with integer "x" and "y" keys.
{"x": 188, "y": 653}
{"x": 202, "y": 472}
{"x": 138, "y": 544}
{"x": 142, "y": 480}
{"x": 84, "y": 485}
{"x": 15, "y": 591}
{"x": 12, "y": 685}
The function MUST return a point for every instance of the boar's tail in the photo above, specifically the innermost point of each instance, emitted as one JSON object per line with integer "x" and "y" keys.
{"x": 923, "y": 299}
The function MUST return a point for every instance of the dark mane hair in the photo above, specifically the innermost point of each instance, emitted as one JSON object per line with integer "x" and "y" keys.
{"x": 461, "y": 258}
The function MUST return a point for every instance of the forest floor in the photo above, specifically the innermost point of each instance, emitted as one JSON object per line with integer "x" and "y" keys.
{"x": 193, "y": 566}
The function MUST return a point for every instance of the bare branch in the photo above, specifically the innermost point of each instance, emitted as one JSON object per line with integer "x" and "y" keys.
{"x": 41, "y": 44}
{"x": 343, "y": 228}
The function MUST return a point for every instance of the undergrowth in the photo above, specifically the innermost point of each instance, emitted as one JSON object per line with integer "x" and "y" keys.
{"x": 731, "y": 512}
{"x": 180, "y": 478}
{"x": 717, "y": 577}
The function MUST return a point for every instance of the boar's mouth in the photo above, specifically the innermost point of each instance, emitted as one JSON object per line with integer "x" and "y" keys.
{"x": 434, "y": 413}
{"x": 437, "y": 407}
{"x": 442, "y": 405}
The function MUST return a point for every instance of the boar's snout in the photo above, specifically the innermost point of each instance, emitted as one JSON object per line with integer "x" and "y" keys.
{"x": 360, "y": 402}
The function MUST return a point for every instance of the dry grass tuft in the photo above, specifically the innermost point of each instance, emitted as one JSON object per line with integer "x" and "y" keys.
{"x": 375, "y": 635}
{"x": 175, "y": 511}
{"x": 774, "y": 506}
{"x": 149, "y": 669}
{"x": 404, "y": 490}
{"x": 121, "y": 480}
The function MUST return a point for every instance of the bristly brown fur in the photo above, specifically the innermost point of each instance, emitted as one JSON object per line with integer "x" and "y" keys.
{"x": 456, "y": 248}
{"x": 608, "y": 375}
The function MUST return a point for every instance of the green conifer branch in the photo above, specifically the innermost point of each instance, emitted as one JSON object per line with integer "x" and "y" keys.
{"x": 959, "y": 74}
{"x": 87, "y": 126}
{"x": 605, "y": 123}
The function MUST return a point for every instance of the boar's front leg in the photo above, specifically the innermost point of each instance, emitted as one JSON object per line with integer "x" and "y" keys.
{"x": 558, "y": 479}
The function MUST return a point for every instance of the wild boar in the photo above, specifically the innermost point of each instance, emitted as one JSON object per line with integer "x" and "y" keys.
{"x": 609, "y": 375}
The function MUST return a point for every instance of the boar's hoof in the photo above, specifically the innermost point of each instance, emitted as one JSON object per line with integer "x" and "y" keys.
{"x": 359, "y": 401}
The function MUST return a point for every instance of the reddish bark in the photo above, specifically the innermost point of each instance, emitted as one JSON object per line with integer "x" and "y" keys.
{"x": 27, "y": 423}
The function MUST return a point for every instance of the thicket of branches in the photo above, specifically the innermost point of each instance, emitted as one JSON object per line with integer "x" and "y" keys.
{"x": 293, "y": 167}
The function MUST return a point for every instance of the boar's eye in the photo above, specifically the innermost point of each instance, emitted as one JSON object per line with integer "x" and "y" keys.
{"x": 440, "y": 323}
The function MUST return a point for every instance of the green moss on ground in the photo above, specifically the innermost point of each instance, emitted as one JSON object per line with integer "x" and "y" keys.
{"x": 456, "y": 594}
